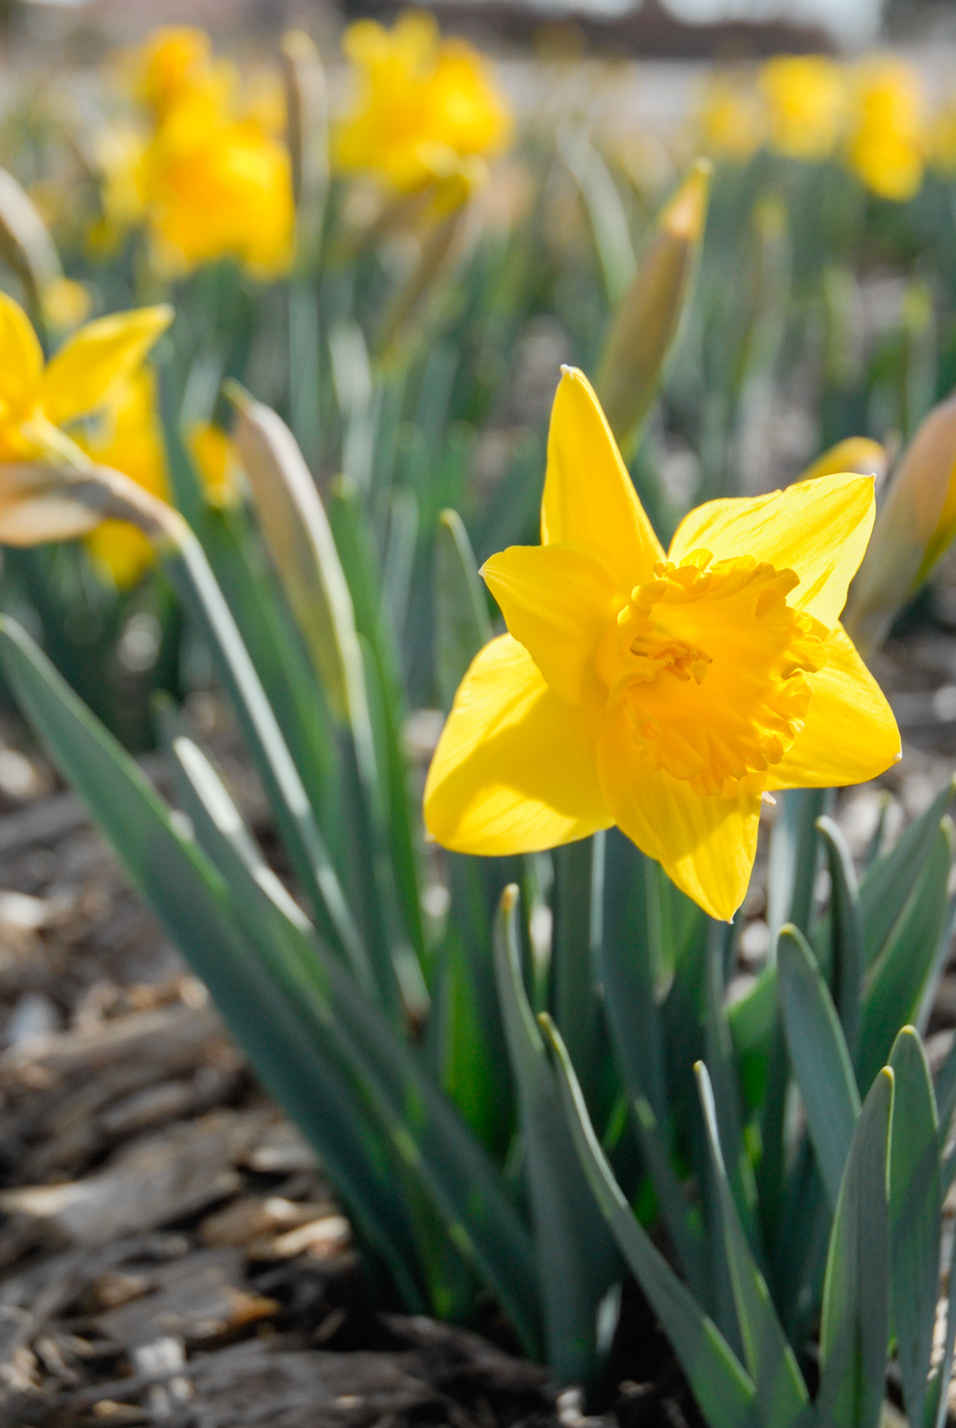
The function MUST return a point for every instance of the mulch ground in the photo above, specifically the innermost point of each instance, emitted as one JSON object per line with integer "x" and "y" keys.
{"x": 170, "y": 1252}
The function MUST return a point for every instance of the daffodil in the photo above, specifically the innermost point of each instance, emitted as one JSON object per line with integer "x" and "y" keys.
{"x": 889, "y": 138}
{"x": 128, "y": 438}
{"x": 93, "y": 401}
{"x": 422, "y": 103}
{"x": 806, "y": 102}
{"x": 205, "y": 172}
{"x": 666, "y": 693}
{"x": 42, "y": 405}
{"x": 732, "y": 117}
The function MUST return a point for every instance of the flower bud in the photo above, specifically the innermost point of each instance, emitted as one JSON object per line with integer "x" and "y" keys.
{"x": 647, "y": 320}
{"x": 914, "y": 526}
{"x": 856, "y": 453}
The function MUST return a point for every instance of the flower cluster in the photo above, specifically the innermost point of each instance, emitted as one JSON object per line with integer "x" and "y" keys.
{"x": 422, "y": 104}
{"x": 202, "y": 165}
{"x": 874, "y": 114}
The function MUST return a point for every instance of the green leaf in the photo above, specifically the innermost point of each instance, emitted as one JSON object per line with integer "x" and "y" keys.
{"x": 190, "y": 898}
{"x": 425, "y": 1130}
{"x": 722, "y": 1387}
{"x": 846, "y": 929}
{"x": 608, "y": 221}
{"x": 576, "y": 941}
{"x": 462, "y": 625}
{"x": 916, "y": 1205}
{"x": 855, "y": 1327}
{"x": 191, "y": 573}
{"x": 577, "y": 1257}
{"x": 821, "y": 1060}
{"x": 936, "y": 1411}
{"x": 887, "y": 883}
{"x": 794, "y": 858}
{"x": 355, "y": 543}
{"x": 724, "y": 1089}
{"x": 909, "y": 960}
{"x": 627, "y": 973}
{"x": 626, "y": 968}
{"x": 782, "y": 1398}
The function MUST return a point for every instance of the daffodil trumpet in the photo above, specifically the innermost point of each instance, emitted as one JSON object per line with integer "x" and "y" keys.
{"x": 666, "y": 693}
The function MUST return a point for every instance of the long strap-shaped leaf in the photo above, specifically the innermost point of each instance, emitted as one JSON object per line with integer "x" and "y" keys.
{"x": 190, "y": 571}
{"x": 190, "y": 898}
{"x": 820, "y": 1058}
{"x": 887, "y": 883}
{"x": 910, "y": 957}
{"x": 916, "y": 1205}
{"x": 782, "y": 1398}
{"x": 723, "y": 1389}
{"x": 426, "y": 1129}
{"x": 576, "y": 1253}
{"x": 846, "y": 928}
{"x": 285, "y": 942}
{"x": 854, "y": 1332}
{"x": 427, "y": 1132}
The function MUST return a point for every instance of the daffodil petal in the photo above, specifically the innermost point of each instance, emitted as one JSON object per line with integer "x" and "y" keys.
{"x": 817, "y": 528}
{"x": 556, "y": 600}
{"x": 515, "y": 770}
{"x": 706, "y": 845}
{"x": 850, "y": 734}
{"x": 588, "y": 496}
{"x": 92, "y": 366}
{"x": 21, "y": 357}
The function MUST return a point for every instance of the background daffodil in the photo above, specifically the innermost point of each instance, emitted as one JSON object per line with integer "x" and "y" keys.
{"x": 207, "y": 172}
{"x": 662, "y": 693}
{"x": 43, "y": 406}
{"x": 94, "y": 401}
{"x": 422, "y": 103}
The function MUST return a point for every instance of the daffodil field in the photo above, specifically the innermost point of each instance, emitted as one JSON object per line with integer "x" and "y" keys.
{"x": 535, "y": 480}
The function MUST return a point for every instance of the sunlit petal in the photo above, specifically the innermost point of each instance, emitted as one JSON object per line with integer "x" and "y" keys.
{"x": 817, "y": 528}
{"x": 21, "y": 357}
{"x": 588, "y": 496}
{"x": 89, "y": 369}
{"x": 515, "y": 770}
{"x": 556, "y": 599}
{"x": 850, "y": 734}
{"x": 705, "y": 845}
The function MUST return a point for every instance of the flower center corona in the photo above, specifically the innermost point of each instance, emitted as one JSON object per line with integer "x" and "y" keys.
{"x": 710, "y": 663}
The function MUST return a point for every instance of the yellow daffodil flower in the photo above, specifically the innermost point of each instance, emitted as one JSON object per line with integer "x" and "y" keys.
{"x": 888, "y": 139}
{"x": 207, "y": 176}
{"x": 806, "y": 103}
{"x": 732, "y": 118}
{"x": 128, "y": 438}
{"x": 423, "y": 103}
{"x": 94, "y": 399}
{"x": 664, "y": 693}
{"x": 41, "y": 403}
{"x": 217, "y": 462}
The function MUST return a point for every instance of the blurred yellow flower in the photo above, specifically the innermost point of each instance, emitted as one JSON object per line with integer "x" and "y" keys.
{"x": 41, "y": 403}
{"x": 128, "y": 438}
{"x": 732, "y": 117}
{"x": 806, "y": 104}
{"x": 94, "y": 398}
{"x": 664, "y": 693}
{"x": 207, "y": 175}
{"x": 422, "y": 103}
{"x": 943, "y": 138}
{"x": 65, "y": 303}
{"x": 217, "y": 462}
{"x": 888, "y": 138}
